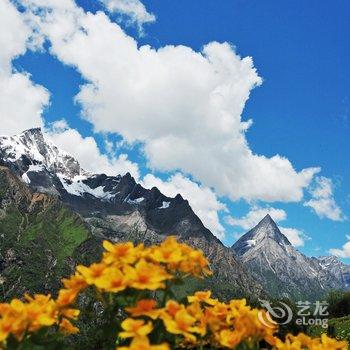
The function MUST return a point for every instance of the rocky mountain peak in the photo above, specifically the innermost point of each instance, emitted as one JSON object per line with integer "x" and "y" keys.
{"x": 32, "y": 151}
{"x": 282, "y": 269}
{"x": 266, "y": 232}
{"x": 33, "y": 134}
{"x": 267, "y": 219}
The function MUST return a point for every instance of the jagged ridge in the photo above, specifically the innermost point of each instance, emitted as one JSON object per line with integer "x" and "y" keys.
{"x": 116, "y": 207}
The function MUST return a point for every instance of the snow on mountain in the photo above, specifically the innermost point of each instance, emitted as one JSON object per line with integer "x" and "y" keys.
{"x": 47, "y": 168}
{"x": 135, "y": 201}
{"x": 164, "y": 205}
{"x": 116, "y": 207}
{"x": 78, "y": 187}
{"x": 31, "y": 145}
{"x": 115, "y": 204}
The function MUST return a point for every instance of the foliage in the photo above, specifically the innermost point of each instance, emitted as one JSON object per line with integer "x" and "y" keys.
{"x": 132, "y": 290}
{"x": 338, "y": 328}
{"x": 339, "y": 304}
{"x": 36, "y": 247}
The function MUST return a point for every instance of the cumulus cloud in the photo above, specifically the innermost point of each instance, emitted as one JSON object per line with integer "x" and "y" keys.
{"x": 323, "y": 202}
{"x": 21, "y": 101}
{"x": 184, "y": 106}
{"x": 13, "y": 35}
{"x": 344, "y": 252}
{"x": 255, "y": 215}
{"x": 134, "y": 9}
{"x": 203, "y": 200}
{"x": 295, "y": 236}
{"x": 86, "y": 151}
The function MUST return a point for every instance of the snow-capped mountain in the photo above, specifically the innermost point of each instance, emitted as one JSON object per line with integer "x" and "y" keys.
{"x": 46, "y": 168}
{"x": 36, "y": 154}
{"x": 116, "y": 207}
{"x": 279, "y": 267}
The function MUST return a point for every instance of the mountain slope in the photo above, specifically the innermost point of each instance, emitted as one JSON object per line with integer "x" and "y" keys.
{"x": 38, "y": 238}
{"x": 338, "y": 269}
{"x": 117, "y": 208}
{"x": 279, "y": 267}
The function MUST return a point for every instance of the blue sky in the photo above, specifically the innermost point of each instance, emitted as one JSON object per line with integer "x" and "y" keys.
{"x": 301, "y": 110}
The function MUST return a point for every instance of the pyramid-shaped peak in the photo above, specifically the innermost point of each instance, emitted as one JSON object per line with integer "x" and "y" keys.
{"x": 267, "y": 219}
{"x": 264, "y": 233}
{"x": 267, "y": 228}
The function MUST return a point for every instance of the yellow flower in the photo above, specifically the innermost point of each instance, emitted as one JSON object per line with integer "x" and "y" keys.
{"x": 92, "y": 273}
{"x": 146, "y": 275}
{"x": 119, "y": 253}
{"x": 67, "y": 328}
{"x": 70, "y": 313}
{"x": 197, "y": 312}
{"x": 75, "y": 282}
{"x": 195, "y": 264}
{"x": 144, "y": 307}
{"x": 66, "y": 297}
{"x": 215, "y": 320}
{"x": 183, "y": 323}
{"x": 204, "y": 297}
{"x": 123, "y": 265}
{"x": 17, "y": 305}
{"x": 135, "y": 328}
{"x": 41, "y": 311}
{"x": 333, "y": 344}
{"x": 6, "y": 327}
{"x": 112, "y": 280}
{"x": 169, "y": 252}
{"x": 230, "y": 338}
{"x": 172, "y": 307}
{"x": 302, "y": 341}
{"x": 142, "y": 343}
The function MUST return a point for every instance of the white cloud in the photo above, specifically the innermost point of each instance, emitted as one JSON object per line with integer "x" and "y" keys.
{"x": 134, "y": 9}
{"x": 256, "y": 214}
{"x": 86, "y": 151}
{"x": 296, "y": 237}
{"x": 323, "y": 202}
{"x": 184, "y": 106}
{"x": 13, "y": 35}
{"x": 344, "y": 252}
{"x": 203, "y": 200}
{"x": 21, "y": 101}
